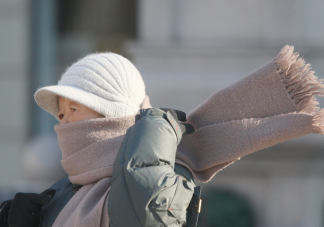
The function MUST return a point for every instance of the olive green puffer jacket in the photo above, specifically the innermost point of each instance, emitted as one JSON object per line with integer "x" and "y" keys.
{"x": 146, "y": 190}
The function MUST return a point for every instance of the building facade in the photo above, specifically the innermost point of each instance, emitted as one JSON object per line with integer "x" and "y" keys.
{"x": 185, "y": 50}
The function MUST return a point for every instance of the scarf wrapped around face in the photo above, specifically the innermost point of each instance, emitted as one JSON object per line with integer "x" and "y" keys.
{"x": 273, "y": 104}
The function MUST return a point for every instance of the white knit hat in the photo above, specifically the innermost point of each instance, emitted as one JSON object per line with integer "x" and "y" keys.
{"x": 105, "y": 82}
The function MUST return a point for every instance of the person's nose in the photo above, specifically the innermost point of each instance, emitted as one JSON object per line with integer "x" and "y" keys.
{"x": 64, "y": 121}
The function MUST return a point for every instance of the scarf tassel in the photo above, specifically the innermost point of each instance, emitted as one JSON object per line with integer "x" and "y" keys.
{"x": 318, "y": 122}
{"x": 302, "y": 85}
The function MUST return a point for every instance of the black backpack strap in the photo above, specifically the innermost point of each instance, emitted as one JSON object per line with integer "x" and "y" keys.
{"x": 194, "y": 208}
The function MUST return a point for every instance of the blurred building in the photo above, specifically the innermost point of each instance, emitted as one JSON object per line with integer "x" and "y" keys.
{"x": 185, "y": 50}
{"x": 14, "y": 86}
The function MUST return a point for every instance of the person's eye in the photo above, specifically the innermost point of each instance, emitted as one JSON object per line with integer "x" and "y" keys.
{"x": 60, "y": 116}
{"x": 73, "y": 109}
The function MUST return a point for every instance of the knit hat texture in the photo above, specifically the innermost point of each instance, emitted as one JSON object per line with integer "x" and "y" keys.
{"x": 104, "y": 82}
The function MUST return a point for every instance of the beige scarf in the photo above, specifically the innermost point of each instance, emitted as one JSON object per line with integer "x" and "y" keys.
{"x": 89, "y": 149}
{"x": 273, "y": 104}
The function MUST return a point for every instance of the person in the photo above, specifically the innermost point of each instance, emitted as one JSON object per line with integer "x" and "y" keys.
{"x": 96, "y": 102}
{"x": 273, "y": 104}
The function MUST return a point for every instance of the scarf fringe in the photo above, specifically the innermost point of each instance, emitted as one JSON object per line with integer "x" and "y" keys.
{"x": 318, "y": 122}
{"x": 301, "y": 84}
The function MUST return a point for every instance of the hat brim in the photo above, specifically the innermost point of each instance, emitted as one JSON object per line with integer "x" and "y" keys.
{"x": 47, "y": 98}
